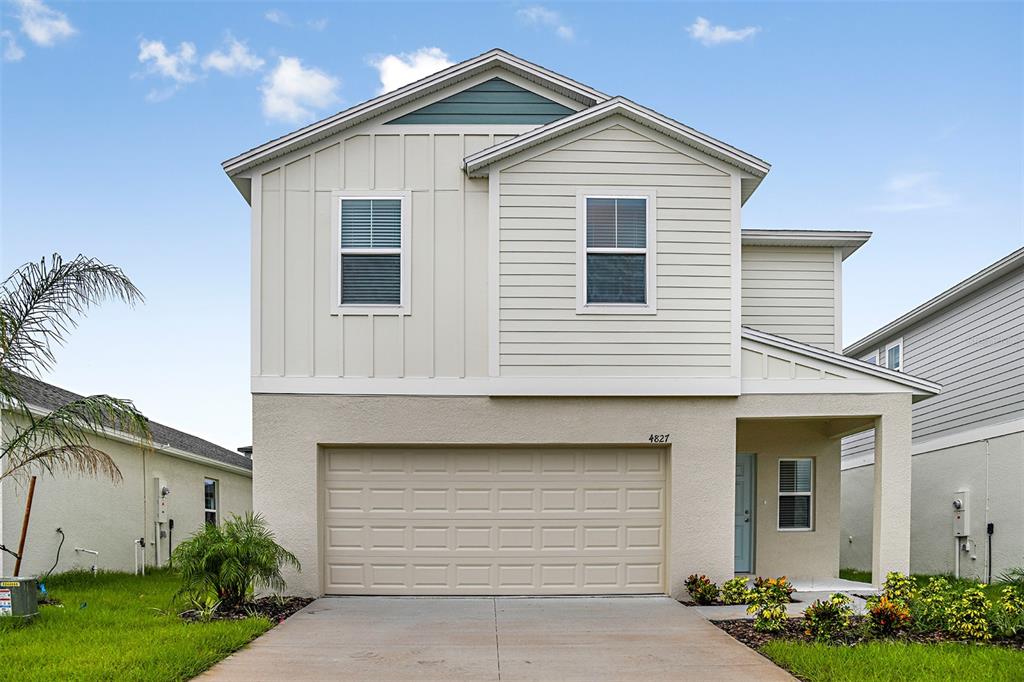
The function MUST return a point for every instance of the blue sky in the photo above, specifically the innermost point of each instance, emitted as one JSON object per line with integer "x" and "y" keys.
{"x": 903, "y": 119}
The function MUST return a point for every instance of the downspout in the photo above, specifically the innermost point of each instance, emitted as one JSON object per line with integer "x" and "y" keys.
{"x": 988, "y": 534}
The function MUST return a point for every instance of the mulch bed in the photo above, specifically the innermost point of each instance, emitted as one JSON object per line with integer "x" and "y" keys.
{"x": 743, "y": 630}
{"x": 276, "y": 610}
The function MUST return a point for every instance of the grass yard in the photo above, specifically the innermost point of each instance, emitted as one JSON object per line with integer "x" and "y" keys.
{"x": 117, "y": 626}
{"x": 993, "y": 591}
{"x": 880, "y": 661}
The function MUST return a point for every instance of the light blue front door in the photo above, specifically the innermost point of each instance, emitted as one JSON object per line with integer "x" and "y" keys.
{"x": 744, "y": 513}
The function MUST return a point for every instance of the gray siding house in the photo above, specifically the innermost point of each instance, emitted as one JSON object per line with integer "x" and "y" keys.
{"x": 968, "y": 442}
{"x": 510, "y": 336}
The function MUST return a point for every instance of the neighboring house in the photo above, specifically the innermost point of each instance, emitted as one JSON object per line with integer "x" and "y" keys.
{"x": 509, "y": 337}
{"x": 205, "y": 482}
{"x": 968, "y": 443}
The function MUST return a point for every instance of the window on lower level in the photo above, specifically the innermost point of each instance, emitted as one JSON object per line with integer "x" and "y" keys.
{"x": 796, "y": 494}
{"x": 210, "y": 500}
{"x": 371, "y": 251}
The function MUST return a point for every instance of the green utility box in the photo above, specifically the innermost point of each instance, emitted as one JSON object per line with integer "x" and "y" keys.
{"x": 19, "y": 597}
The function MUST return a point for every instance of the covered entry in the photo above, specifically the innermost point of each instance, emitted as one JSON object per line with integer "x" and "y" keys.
{"x": 497, "y": 520}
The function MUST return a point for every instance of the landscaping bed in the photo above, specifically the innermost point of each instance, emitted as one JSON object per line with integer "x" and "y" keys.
{"x": 275, "y": 609}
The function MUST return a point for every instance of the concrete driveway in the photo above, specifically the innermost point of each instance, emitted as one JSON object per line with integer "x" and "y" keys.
{"x": 484, "y": 638}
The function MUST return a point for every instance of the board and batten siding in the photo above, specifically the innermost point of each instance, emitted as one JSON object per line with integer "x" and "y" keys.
{"x": 445, "y": 334}
{"x": 974, "y": 349}
{"x": 540, "y": 331}
{"x": 791, "y": 291}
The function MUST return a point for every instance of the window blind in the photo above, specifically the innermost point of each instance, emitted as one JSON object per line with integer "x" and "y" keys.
{"x": 616, "y": 250}
{"x": 369, "y": 226}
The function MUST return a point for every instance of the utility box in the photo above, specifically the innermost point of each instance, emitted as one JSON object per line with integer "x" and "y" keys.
{"x": 19, "y": 597}
{"x": 961, "y": 518}
{"x": 162, "y": 491}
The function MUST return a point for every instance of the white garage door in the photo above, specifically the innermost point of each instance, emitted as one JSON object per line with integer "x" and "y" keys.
{"x": 494, "y": 521}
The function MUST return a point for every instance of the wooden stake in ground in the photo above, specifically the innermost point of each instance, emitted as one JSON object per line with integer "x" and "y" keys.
{"x": 24, "y": 525}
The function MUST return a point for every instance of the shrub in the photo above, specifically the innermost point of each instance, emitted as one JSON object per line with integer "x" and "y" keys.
{"x": 825, "y": 620}
{"x": 967, "y": 615}
{"x": 735, "y": 591}
{"x": 928, "y": 608}
{"x": 702, "y": 590}
{"x": 887, "y": 617}
{"x": 899, "y": 588}
{"x": 230, "y": 562}
{"x": 768, "y": 602}
{"x": 780, "y": 588}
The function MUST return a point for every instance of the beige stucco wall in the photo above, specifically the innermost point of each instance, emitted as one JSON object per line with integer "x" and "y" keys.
{"x": 993, "y": 475}
{"x": 289, "y": 431}
{"x": 775, "y": 549}
{"x": 97, "y": 514}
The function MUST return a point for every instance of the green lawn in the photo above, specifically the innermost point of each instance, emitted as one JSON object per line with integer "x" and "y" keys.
{"x": 875, "y": 662}
{"x": 116, "y": 626}
{"x": 993, "y": 591}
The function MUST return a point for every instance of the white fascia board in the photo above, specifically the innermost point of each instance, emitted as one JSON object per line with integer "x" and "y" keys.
{"x": 844, "y": 240}
{"x": 378, "y": 105}
{"x": 476, "y": 165}
{"x": 934, "y": 305}
{"x": 501, "y": 386}
{"x": 921, "y": 387}
{"x": 166, "y": 448}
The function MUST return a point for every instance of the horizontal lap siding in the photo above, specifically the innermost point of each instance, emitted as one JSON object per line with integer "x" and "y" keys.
{"x": 541, "y": 333}
{"x": 790, "y": 291}
{"x": 975, "y": 350}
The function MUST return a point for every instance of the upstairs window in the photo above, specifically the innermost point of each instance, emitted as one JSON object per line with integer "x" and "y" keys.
{"x": 894, "y": 355}
{"x": 796, "y": 493}
{"x": 615, "y": 255}
{"x": 371, "y": 252}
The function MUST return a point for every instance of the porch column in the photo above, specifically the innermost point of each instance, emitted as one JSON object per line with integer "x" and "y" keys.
{"x": 891, "y": 527}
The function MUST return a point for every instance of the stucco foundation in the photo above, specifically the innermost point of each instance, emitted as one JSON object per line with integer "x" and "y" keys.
{"x": 291, "y": 430}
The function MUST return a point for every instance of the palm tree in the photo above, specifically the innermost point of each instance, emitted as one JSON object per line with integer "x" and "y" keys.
{"x": 39, "y": 306}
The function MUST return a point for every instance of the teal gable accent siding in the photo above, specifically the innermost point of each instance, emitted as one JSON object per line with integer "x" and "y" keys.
{"x": 493, "y": 101}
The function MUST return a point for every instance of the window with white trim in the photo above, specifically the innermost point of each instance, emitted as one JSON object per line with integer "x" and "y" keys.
{"x": 210, "y": 501}
{"x": 871, "y": 359}
{"x": 894, "y": 355}
{"x": 371, "y": 257}
{"x": 796, "y": 494}
{"x": 616, "y": 254}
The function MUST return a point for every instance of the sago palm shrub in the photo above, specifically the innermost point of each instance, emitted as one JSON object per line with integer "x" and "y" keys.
{"x": 232, "y": 561}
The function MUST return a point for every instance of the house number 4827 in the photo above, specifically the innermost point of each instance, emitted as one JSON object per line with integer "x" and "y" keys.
{"x": 658, "y": 438}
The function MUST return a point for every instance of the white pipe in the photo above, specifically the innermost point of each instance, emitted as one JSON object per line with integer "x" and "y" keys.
{"x": 156, "y": 541}
{"x": 988, "y": 538}
{"x": 956, "y": 558}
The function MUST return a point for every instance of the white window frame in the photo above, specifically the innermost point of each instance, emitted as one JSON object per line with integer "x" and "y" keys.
{"x": 780, "y": 494}
{"x": 873, "y": 356}
{"x": 651, "y": 293}
{"x": 403, "y": 306}
{"x": 216, "y": 500}
{"x": 898, "y": 343}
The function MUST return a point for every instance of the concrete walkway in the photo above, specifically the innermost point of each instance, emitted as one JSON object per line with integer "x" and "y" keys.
{"x": 483, "y": 638}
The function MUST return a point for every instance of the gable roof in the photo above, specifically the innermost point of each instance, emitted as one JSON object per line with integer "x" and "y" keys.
{"x": 396, "y": 98}
{"x": 477, "y": 164}
{"x": 948, "y": 297}
{"x": 918, "y": 386}
{"x": 41, "y": 395}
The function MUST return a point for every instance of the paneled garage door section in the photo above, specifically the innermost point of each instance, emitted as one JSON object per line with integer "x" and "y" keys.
{"x": 494, "y": 521}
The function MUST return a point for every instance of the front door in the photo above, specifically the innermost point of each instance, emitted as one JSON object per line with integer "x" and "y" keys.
{"x": 744, "y": 513}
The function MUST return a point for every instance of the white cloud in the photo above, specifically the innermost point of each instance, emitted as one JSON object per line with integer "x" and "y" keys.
{"x": 276, "y": 16}
{"x": 293, "y": 93}
{"x": 174, "y": 65}
{"x": 43, "y": 26}
{"x": 913, "y": 191}
{"x": 702, "y": 31}
{"x": 12, "y": 51}
{"x": 396, "y": 70}
{"x": 235, "y": 61}
{"x": 537, "y": 15}
{"x": 317, "y": 24}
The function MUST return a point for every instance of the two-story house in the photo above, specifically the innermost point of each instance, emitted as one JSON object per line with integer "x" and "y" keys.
{"x": 510, "y": 337}
{"x": 968, "y": 442}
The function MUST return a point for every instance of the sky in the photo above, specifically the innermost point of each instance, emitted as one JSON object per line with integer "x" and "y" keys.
{"x": 903, "y": 119}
